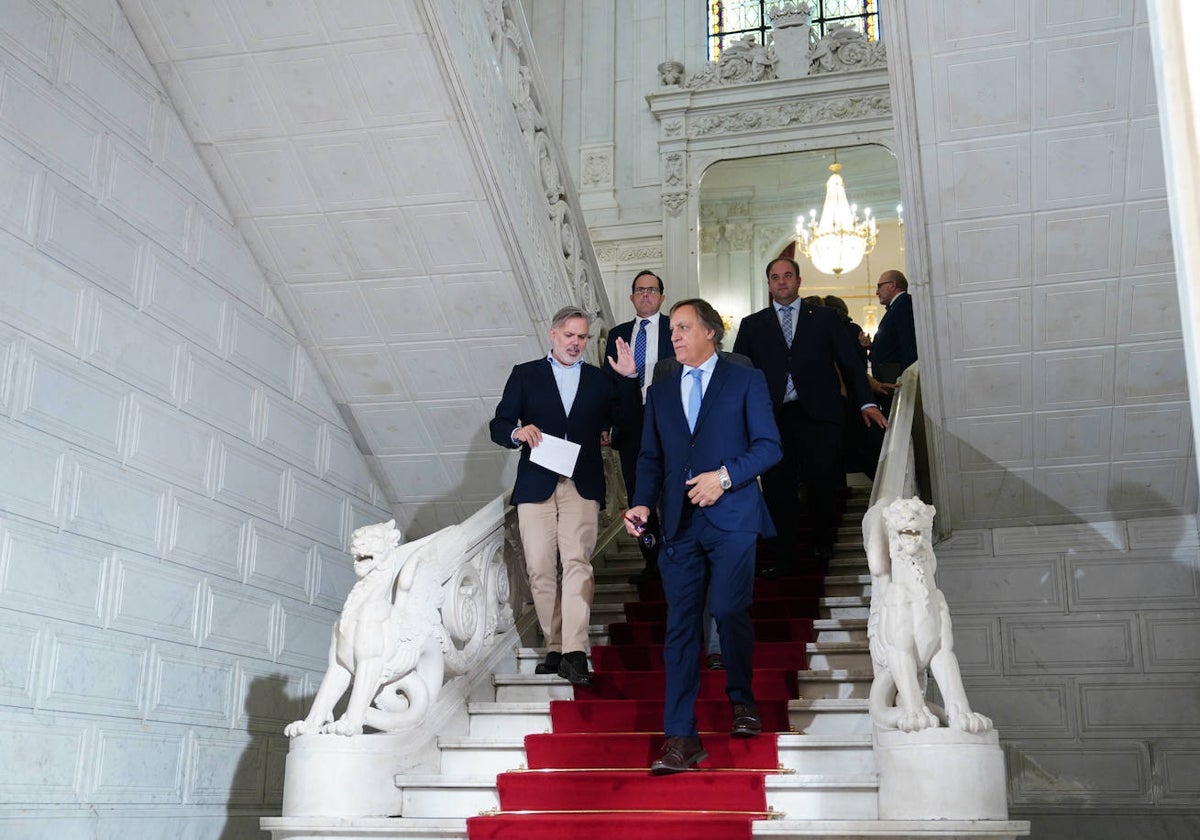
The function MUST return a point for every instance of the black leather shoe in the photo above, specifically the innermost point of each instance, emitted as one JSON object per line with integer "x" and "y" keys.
{"x": 715, "y": 662}
{"x": 550, "y": 666}
{"x": 680, "y": 754}
{"x": 574, "y": 668}
{"x": 746, "y": 722}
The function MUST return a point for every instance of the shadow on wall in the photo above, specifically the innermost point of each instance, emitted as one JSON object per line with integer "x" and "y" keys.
{"x": 1061, "y": 495}
{"x": 255, "y": 783}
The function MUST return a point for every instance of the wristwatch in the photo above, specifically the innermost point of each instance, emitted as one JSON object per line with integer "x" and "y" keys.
{"x": 723, "y": 477}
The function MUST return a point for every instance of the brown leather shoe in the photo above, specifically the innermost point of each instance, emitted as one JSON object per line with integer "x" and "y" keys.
{"x": 746, "y": 722}
{"x": 680, "y": 754}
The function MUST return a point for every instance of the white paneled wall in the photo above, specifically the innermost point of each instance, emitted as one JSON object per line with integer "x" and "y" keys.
{"x": 176, "y": 488}
{"x": 1082, "y": 643}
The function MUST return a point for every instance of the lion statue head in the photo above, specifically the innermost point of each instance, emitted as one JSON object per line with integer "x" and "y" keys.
{"x": 371, "y": 545}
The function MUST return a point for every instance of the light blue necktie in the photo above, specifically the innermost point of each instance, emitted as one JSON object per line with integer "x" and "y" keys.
{"x": 639, "y": 351}
{"x": 785, "y": 323}
{"x": 694, "y": 398}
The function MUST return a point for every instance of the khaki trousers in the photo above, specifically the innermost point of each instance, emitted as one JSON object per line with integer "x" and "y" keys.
{"x": 562, "y": 528}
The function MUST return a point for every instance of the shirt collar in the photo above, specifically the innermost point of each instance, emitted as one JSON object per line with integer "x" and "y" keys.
{"x": 707, "y": 366}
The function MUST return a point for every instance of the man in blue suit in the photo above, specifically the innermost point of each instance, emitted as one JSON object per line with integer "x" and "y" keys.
{"x": 806, "y": 355}
{"x": 563, "y": 396}
{"x": 649, "y": 334}
{"x": 709, "y": 433}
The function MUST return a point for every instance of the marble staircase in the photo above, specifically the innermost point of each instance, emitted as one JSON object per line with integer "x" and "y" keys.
{"x": 827, "y": 786}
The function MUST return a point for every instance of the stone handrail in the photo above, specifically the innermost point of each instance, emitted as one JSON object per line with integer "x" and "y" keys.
{"x": 897, "y": 474}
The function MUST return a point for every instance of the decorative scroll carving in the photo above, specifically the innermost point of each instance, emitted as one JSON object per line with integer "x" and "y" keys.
{"x": 829, "y": 110}
{"x": 641, "y": 253}
{"x": 674, "y": 202}
{"x": 739, "y": 234}
{"x": 844, "y": 48}
{"x": 606, "y": 253}
{"x": 909, "y": 625}
{"x": 768, "y": 236}
{"x": 670, "y": 73}
{"x": 596, "y": 169}
{"x": 673, "y": 128}
{"x": 497, "y": 38}
{"x": 673, "y": 166}
{"x": 745, "y": 60}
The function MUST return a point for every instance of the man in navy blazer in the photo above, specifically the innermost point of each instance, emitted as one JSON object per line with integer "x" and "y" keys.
{"x": 709, "y": 433}
{"x": 646, "y": 295}
{"x": 894, "y": 346}
{"x": 803, "y": 378}
{"x": 563, "y": 396}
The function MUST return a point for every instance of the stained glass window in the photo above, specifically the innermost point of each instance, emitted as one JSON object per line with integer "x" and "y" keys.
{"x": 729, "y": 20}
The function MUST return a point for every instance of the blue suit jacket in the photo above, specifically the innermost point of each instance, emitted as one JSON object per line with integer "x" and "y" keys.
{"x": 895, "y": 345}
{"x": 821, "y": 348}
{"x": 531, "y": 396}
{"x": 736, "y": 428}
{"x": 629, "y": 434}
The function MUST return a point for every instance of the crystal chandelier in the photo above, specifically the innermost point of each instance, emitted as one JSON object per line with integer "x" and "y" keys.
{"x": 840, "y": 240}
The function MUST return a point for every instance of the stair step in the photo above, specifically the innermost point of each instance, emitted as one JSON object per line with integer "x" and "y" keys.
{"x": 506, "y": 720}
{"x": 829, "y": 716}
{"x": 848, "y": 585}
{"x": 851, "y": 655}
{"x": 814, "y": 755}
{"x": 840, "y": 684}
{"x": 825, "y": 797}
{"x": 840, "y": 629}
{"x": 852, "y": 829}
{"x": 845, "y": 607}
{"x": 357, "y": 828}
{"x": 525, "y": 688}
{"x": 479, "y": 756}
{"x": 613, "y": 592}
{"x": 426, "y": 796}
{"x": 401, "y": 828}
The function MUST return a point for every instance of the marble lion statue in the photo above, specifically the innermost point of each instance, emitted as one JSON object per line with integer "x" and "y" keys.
{"x": 909, "y": 626}
{"x": 389, "y": 641}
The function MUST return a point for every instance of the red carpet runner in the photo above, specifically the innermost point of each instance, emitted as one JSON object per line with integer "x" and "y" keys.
{"x": 589, "y": 779}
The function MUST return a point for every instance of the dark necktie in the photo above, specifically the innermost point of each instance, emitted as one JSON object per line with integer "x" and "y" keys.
{"x": 639, "y": 351}
{"x": 785, "y": 322}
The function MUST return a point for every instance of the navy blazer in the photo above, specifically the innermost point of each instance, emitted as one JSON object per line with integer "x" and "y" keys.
{"x": 894, "y": 347}
{"x": 735, "y": 428}
{"x": 531, "y": 396}
{"x": 629, "y": 433}
{"x": 821, "y": 348}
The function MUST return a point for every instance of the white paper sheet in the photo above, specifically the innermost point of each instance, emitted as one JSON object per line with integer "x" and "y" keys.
{"x": 555, "y": 454}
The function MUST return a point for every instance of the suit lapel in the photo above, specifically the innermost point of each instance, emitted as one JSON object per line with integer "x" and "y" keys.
{"x": 711, "y": 394}
{"x": 546, "y": 374}
{"x": 674, "y": 412}
{"x": 664, "y": 337}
